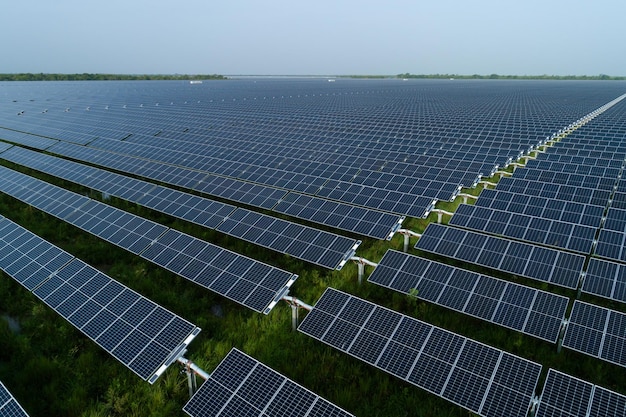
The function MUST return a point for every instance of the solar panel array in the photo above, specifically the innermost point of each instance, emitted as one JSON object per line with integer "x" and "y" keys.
{"x": 605, "y": 279}
{"x": 241, "y": 279}
{"x": 250, "y": 141}
{"x": 243, "y": 386}
{"x": 139, "y": 333}
{"x": 367, "y": 222}
{"x": 522, "y": 259}
{"x": 9, "y": 407}
{"x": 574, "y": 237}
{"x": 566, "y": 396}
{"x": 347, "y": 158}
{"x": 553, "y": 191}
{"x": 597, "y": 331}
{"x": 515, "y": 306}
{"x": 315, "y": 246}
{"x": 542, "y": 207}
{"x": 482, "y": 379}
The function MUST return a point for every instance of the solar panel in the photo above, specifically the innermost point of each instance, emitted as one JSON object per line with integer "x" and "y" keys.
{"x": 241, "y": 279}
{"x": 359, "y": 220}
{"x": 543, "y": 207}
{"x": 605, "y": 279}
{"x": 522, "y": 259}
{"x": 9, "y": 406}
{"x": 318, "y": 247}
{"x": 575, "y": 237}
{"x": 139, "y": 333}
{"x": 376, "y": 224}
{"x": 554, "y": 191}
{"x": 243, "y": 386}
{"x": 597, "y": 331}
{"x": 564, "y": 396}
{"x": 520, "y": 308}
{"x": 480, "y": 378}
{"x": 251, "y": 283}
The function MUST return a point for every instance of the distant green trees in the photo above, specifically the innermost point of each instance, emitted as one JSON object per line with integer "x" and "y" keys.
{"x": 105, "y": 77}
{"x": 513, "y": 77}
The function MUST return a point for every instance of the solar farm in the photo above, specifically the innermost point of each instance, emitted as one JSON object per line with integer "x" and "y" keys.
{"x": 305, "y": 248}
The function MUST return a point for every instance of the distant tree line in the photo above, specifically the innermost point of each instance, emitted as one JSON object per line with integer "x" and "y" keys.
{"x": 513, "y": 77}
{"x": 105, "y": 77}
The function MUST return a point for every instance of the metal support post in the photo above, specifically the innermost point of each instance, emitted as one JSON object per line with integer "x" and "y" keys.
{"x": 361, "y": 268}
{"x": 564, "y": 324}
{"x": 407, "y": 234}
{"x": 294, "y": 317}
{"x": 295, "y": 306}
{"x": 361, "y": 262}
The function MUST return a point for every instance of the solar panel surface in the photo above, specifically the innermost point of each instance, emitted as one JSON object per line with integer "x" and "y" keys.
{"x": 243, "y": 386}
{"x": 482, "y": 379}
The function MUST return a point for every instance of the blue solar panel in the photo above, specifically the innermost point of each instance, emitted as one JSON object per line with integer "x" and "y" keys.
{"x": 142, "y": 335}
{"x": 242, "y": 386}
{"x": 575, "y": 237}
{"x": 606, "y": 279}
{"x": 9, "y": 407}
{"x": 480, "y": 378}
{"x": 597, "y": 331}
{"x": 524, "y": 309}
{"x": 531, "y": 261}
{"x": 251, "y": 283}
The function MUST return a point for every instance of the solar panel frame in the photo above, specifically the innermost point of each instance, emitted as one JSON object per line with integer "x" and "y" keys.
{"x": 9, "y": 406}
{"x": 241, "y": 385}
{"x": 597, "y": 331}
{"x": 71, "y": 287}
{"x": 511, "y": 305}
{"x": 572, "y": 236}
{"x": 424, "y": 355}
{"x": 578, "y": 394}
{"x": 543, "y": 264}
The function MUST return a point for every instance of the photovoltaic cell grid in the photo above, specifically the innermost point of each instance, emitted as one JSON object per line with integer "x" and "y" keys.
{"x": 9, "y": 407}
{"x": 611, "y": 241}
{"x": 566, "y": 396}
{"x": 515, "y": 306}
{"x": 594, "y": 170}
{"x": 244, "y": 280}
{"x": 32, "y": 141}
{"x": 316, "y": 246}
{"x": 605, "y": 279}
{"x": 553, "y": 191}
{"x": 357, "y": 219}
{"x": 139, "y": 333}
{"x": 575, "y": 237}
{"x": 542, "y": 207}
{"x": 523, "y": 259}
{"x": 243, "y": 386}
{"x": 251, "y": 283}
{"x": 484, "y": 380}
{"x": 598, "y": 332}
{"x": 564, "y": 178}
{"x": 367, "y": 222}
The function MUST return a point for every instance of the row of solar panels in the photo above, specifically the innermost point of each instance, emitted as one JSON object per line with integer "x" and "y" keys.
{"x": 480, "y": 378}
{"x": 318, "y": 247}
{"x": 251, "y": 283}
{"x": 142, "y": 335}
{"x": 353, "y": 190}
{"x": 139, "y": 333}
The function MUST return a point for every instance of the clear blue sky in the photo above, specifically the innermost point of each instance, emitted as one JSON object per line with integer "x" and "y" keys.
{"x": 323, "y": 37}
